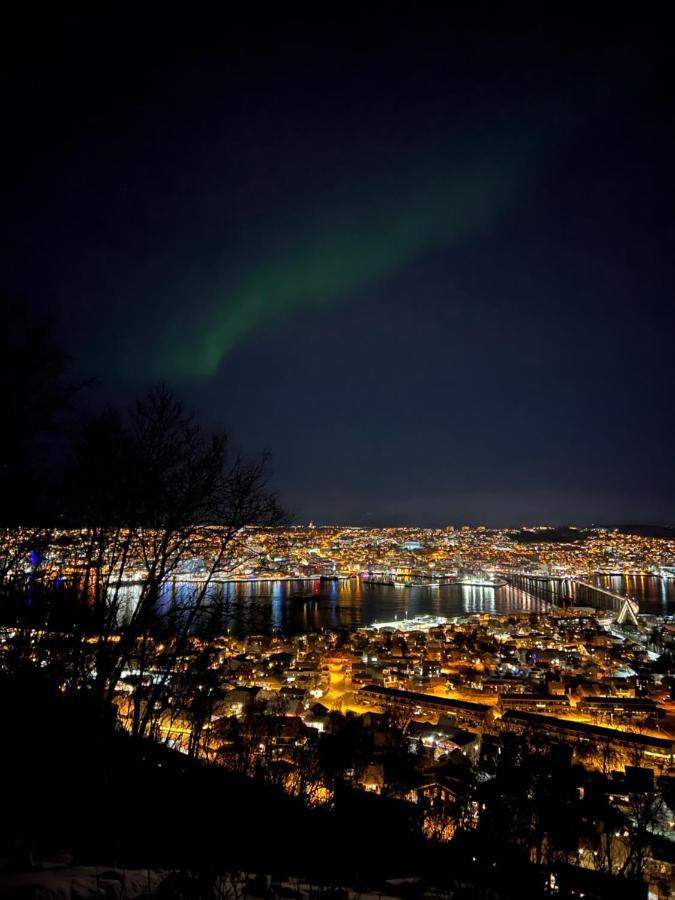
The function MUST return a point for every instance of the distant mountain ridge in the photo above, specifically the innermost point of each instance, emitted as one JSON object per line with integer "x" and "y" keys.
{"x": 571, "y": 533}
{"x": 662, "y": 531}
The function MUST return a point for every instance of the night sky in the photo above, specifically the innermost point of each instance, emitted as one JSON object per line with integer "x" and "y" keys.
{"x": 428, "y": 262}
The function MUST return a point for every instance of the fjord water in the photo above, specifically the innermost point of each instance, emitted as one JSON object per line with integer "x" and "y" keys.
{"x": 256, "y": 607}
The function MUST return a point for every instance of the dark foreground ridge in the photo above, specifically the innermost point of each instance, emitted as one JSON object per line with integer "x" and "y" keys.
{"x": 92, "y": 806}
{"x": 92, "y": 792}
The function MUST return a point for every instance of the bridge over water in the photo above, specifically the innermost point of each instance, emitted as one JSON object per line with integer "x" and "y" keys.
{"x": 555, "y": 589}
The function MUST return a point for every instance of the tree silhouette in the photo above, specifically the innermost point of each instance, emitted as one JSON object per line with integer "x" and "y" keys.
{"x": 145, "y": 494}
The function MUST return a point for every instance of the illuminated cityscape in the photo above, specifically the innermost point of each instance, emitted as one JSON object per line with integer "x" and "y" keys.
{"x": 436, "y": 698}
{"x": 337, "y": 496}
{"x": 445, "y": 554}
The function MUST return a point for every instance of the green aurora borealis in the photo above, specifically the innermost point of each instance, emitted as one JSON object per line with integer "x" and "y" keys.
{"x": 370, "y": 214}
{"x": 423, "y": 256}
{"x": 347, "y": 243}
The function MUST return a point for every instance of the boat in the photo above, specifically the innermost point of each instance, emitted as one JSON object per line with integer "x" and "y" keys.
{"x": 479, "y": 579}
{"x": 667, "y": 573}
{"x": 421, "y": 583}
{"x": 498, "y": 582}
{"x": 421, "y": 623}
{"x": 378, "y": 579}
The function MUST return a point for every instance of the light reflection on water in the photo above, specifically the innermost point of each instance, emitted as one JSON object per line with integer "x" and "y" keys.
{"x": 266, "y": 606}
{"x": 263, "y": 607}
{"x": 655, "y": 595}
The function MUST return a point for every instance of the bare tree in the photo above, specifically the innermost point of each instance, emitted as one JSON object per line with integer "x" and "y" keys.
{"x": 645, "y": 813}
{"x": 152, "y": 494}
